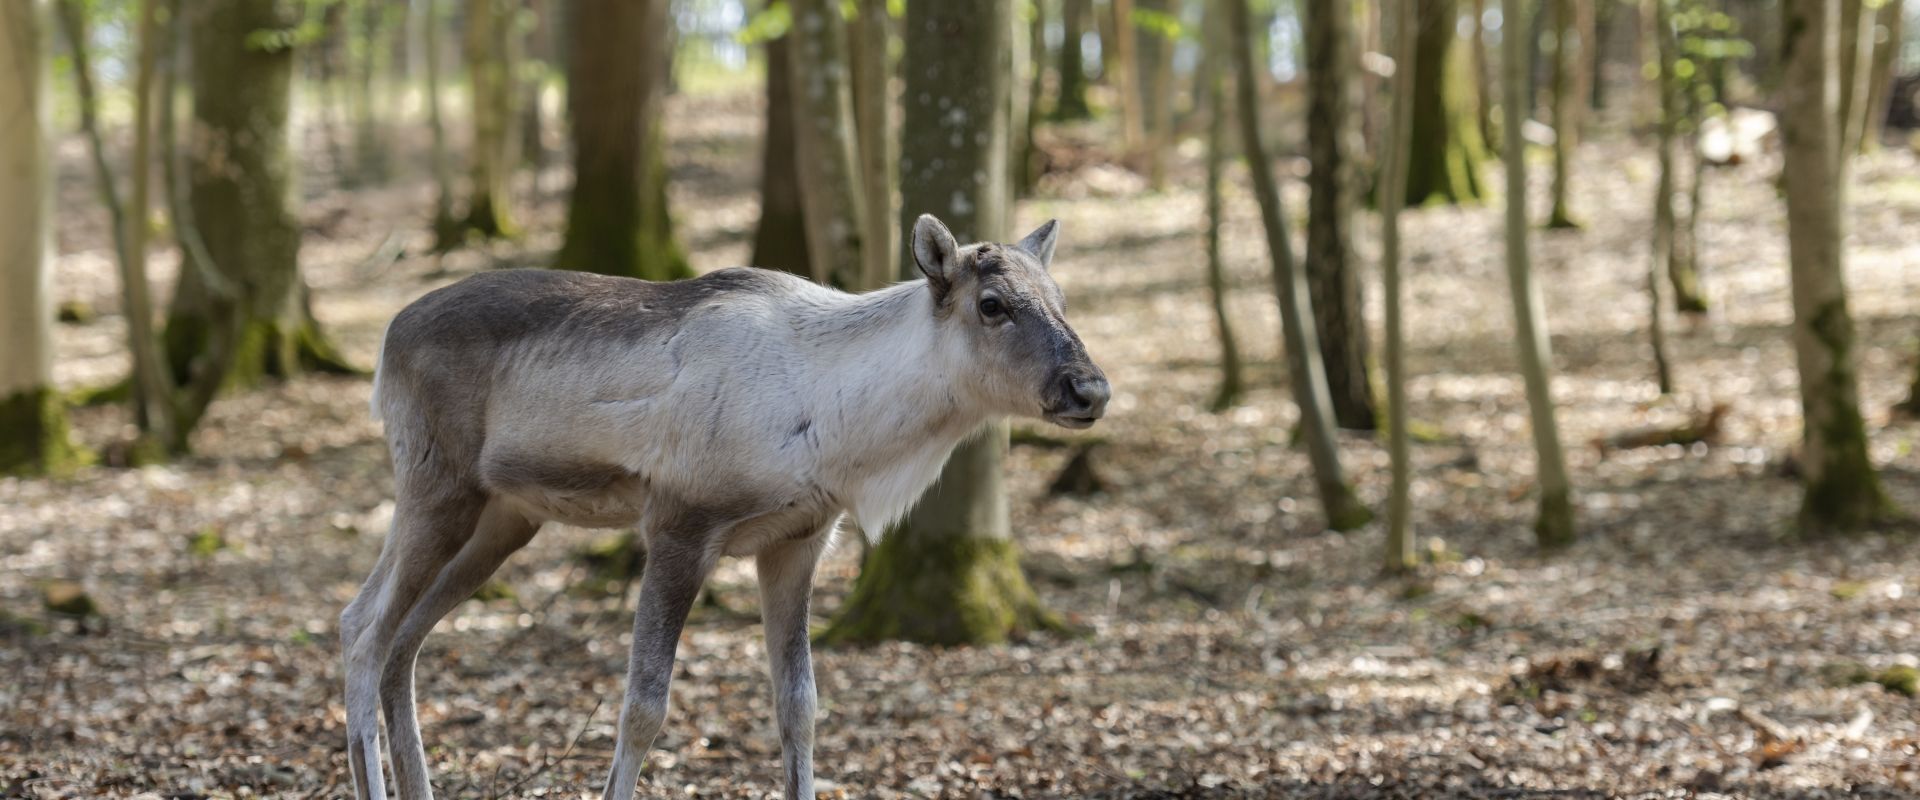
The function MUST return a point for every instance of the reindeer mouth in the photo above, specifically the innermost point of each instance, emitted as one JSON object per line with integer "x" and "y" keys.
{"x": 1074, "y": 421}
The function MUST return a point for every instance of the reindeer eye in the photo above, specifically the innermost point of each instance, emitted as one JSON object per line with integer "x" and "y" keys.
{"x": 990, "y": 307}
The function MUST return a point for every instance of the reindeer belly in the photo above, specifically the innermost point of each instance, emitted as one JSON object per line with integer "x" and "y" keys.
{"x": 587, "y": 494}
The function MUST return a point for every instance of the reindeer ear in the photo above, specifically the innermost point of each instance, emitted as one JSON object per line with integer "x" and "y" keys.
{"x": 936, "y": 254}
{"x": 1039, "y": 243}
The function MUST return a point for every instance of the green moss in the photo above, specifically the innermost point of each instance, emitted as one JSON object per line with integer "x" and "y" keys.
{"x": 1554, "y": 528}
{"x": 35, "y": 439}
{"x": 1846, "y": 496}
{"x": 1899, "y": 680}
{"x": 495, "y": 590}
{"x": 946, "y": 590}
{"x": 1345, "y": 512}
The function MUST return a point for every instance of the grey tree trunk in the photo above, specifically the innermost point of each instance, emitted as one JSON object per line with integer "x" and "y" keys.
{"x": 33, "y": 420}
{"x": 1554, "y": 526}
{"x": 1566, "y": 114}
{"x": 1856, "y": 71}
{"x": 1892, "y": 19}
{"x": 1842, "y": 491}
{"x": 950, "y": 574}
{"x": 878, "y": 150}
{"x": 1125, "y": 77}
{"x": 492, "y": 52}
{"x": 1333, "y": 269}
{"x": 1304, "y": 368}
{"x": 830, "y": 181}
{"x": 617, "y": 223}
{"x": 780, "y": 241}
{"x": 1157, "y": 95}
{"x": 1661, "y": 262}
{"x": 446, "y": 228}
{"x": 1072, "y": 104}
{"x": 1399, "y": 556}
{"x": 1213, "y": 69}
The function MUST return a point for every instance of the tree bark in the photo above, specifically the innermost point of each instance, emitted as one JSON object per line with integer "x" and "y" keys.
{"x": 1332, "y": 266}
{"x": 1842, "y": 491}
{"x": 617, "y": 221}
{"x": 1072, "y": 104}
{"x": 1856, "y": 72}
{"x": 492, "y": 61}
{"x": 1126, "y": 78}
{"x": 830, "y": 200}
{"x": 1661, "y": 263}
{"x": 1399, "y": 556}
{"x": 1886, "y": 51}
{"x": 878, "y": 150}
{"x": 950, "y": 574}
{"x": 1565, "y": 113}
{"x": 1213, "y": 69}
{"x": 33, "y": 419}
{"x": 1447, "y": 148}
{"x": 239, "y": 172}
{"x": 1156, "y": 55}
{"x": 1554, "y": 526}
{"x": 780, "y": 241}
{"x": 447, "y": 231}
{"x": 1304, "y": 368}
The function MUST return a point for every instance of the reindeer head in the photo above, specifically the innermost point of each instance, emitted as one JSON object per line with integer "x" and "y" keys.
{"x": 1012, "y": 318}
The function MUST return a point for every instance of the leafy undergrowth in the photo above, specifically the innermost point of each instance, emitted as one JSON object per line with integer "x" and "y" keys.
{"x": 1687, "y": 646}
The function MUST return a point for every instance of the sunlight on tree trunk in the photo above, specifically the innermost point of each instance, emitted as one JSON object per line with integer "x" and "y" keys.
{"x": 878, "y": 149}
{"x": 830, "y": 182}
{"x": 1213, "y": 68}
{"x": 1399, "y": 555}
{"x": 1447, "y": 148}
{"x": 1304, "y": 368}
{"x": 1554, "y": 526}
{"x": 1856, "y": 71}
{"x": 950, "y": 574}
{"x": 492, "y": 52}
{"x": 780, "y": 240}
{"x": 1125, "y": 77}
{"x": 1842, "y": 491}
{"x": 1333, "y": 269}
{"x": 33, "y": 417}
{"x": 1886, "y": 50}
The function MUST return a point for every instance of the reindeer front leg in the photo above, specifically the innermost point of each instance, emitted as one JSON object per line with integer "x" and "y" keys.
{"x": 786, "y": 587}
{"x": 669, "y": 584}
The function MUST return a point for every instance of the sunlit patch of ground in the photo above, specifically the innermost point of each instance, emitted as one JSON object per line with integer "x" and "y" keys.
{"x": 1232, "y": 648}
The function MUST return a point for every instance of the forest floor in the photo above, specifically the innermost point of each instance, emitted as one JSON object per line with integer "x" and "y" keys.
{"x": 1690, "y": 645}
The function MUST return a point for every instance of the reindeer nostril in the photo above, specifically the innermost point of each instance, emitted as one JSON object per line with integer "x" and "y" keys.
{"x": 1089, "y": 393}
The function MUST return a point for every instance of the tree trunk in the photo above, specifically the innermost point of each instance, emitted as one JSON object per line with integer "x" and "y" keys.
{"x": 830, "y": 182}
{"x": 1304, "y": 368}
{"x": 1886, "y": 51}
{"x": 240, "y": 174}
{"x": 1156, "y": 56}
{"x": 1072, "y": 103}
{"x": 1482, "y": 80}
{"x": 1399, "y": 555}
{"x": 1856, "y": 72}
{"x": 538, "y": 51}
{"x": 1332, "y": 267}
{"x": 1565, "y": 113}
{"x": 1554, "y": 527}
{"x": 370, "y": 153}
{"x": 1661, "y": 262}
{"x": 1447, "y": 148}
{"x": 33, "y": 419}
{"x": 780, "y": 241}
{"x": 617, "y": 221}
{"x": 1842, "y": 491}
{"x": 949, "y": 574}
{"x": 1689, "y": 296}
{"x": 1213, "y": 70}
{"x": 447, "y": 231}
{"x": 1126, "y": 77}
{"x": 878, "y": 150}
{"x": 492, "y": 62}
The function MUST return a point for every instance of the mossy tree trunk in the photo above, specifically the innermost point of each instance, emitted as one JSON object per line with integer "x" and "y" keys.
{"x": 1553, "y": 527}
{"x": 1842, "y": 491}
{"x": 824, "y": 139}
{"x": 1333, "y": 269}
{"x": 878, "y": 151}
{"x": 1566, "y": 112}
{"x": 239, "y": 174}
{"x": 617, "y": 219}
{"x": 780, "y": 240}
{"x": 1305, "y": 371}
{"x": 1447, "y": 148}
{"x": 1213, "y": 68}
{"x": 1399, "y": 554}
{"x": 950, "y": 573}
{"x": 33, "y": 421}
{"x": 1072, "y": 103}
{"x": 492, "y": 56}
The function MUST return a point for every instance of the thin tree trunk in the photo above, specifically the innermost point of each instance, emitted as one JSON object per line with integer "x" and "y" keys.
{"x": 1565, "y": 114}
{"x": 950, "y": 573}
{"x": 1072, "y": 104}
{"x": 830, "y": 183}
{"x": 33, "y": 419}
{"x": 1157, "y": 94}
{"x": 1856, "y": 72}
{"x": 1126, "y": 78}
{"x": 878, "y": 150}
{"x": 1689, "y": 294}
{"x": 1333, "y": 269}
{"x": 1482, "y": 78}
{"x": 492, "y": 60}
{"x": 447, "y": 230}
{"x": 369, "y": 151}
{"x": 1554, "y": 527}
{"x": 1842, "y": 491}
{"x": 1026, "y": 161}
{"x": 1213, "y": 70}
{"x": 616, "y": 215}
{"x": 1304, "y": 368}
{"x": 780, "y": 241}
{"x": 1661, "y": 261}
{"x": 538, "y": 51}
{"x": 1399, "y": 556}
{"x": 1886, "y": 51}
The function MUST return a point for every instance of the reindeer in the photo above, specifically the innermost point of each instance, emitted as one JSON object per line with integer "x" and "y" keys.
{"x": 741, "y": 413}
